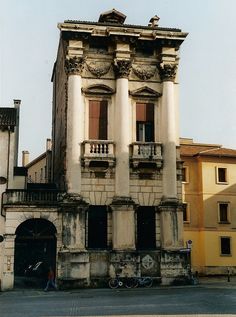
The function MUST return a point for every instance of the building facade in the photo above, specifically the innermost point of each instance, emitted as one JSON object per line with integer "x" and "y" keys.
{"x": 115, "y": 160}
{"x": 116, "y": 148}
{"x": 9, "y": 129}
{"x": 209, "y": 197}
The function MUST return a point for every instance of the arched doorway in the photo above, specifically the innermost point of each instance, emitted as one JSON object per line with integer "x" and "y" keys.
{"x": 35, "y": 251}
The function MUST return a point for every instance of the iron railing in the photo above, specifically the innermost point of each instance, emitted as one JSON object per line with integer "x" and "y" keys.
{"x": 24, "y": 196}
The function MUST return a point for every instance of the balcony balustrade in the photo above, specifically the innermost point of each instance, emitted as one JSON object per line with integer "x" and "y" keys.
{"x": 28, "y": 197}
{"x": 144, "y": 152}
{"x": 98, "y": 150}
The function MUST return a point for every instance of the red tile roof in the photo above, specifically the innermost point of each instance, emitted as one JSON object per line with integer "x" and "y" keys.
{"x": 195, "y": 149}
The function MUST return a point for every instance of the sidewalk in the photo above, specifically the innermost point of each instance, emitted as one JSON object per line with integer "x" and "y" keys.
{"x": 218, "y": 281}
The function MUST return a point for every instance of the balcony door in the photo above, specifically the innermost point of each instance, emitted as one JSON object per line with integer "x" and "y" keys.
{"x": 145, "y": 122}
{"x": 98, "y": 119}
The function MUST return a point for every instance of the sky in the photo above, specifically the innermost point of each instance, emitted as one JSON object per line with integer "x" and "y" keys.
{"x": 207, "y": 71}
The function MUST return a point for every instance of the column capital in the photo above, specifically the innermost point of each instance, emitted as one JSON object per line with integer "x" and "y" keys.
{"x": 74, "y": 65}
{"x": 167, "y": 71}
{"x": 122, "y": 67}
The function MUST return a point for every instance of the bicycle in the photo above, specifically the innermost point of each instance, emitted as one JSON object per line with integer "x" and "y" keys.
{"x": 143, "y": 281}
{"x": 128, "y": 282}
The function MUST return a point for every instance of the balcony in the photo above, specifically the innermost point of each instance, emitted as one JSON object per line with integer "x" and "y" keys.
{"x": 146, "y": 154}
{"x": 31, "y": 197}
{"x": 97, "y": 151}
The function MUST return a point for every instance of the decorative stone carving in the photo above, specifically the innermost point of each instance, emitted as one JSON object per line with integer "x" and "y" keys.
{"x": 98, "y": 69}
{"x": 144, "y": 72}
{"x": 122, "y": 68}
{"x": 168, "y": 71}
{"x": 74, "y": 65}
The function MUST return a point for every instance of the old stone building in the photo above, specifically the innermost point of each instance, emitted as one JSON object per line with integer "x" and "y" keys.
{"x": 116, "y": 149}
{"x": 115, "y": 160}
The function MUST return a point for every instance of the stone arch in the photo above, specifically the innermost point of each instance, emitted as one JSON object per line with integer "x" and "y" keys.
{"x": 35, "y": 244}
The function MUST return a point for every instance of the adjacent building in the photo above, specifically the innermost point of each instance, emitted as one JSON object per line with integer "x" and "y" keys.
{"x": 209, "y": 198}
{"x": 9, "y": 135}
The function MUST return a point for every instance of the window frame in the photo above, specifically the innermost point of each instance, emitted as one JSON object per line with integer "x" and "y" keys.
{"x": 106, "y": 103}
{"x": 218, "y": 181}
{"x": 146, "y": 123}
{"x": 186, "y": 181}
{"x": 228, "y": 212}
{"x": 230, "y": 246}
{"x": 187, "y": 213}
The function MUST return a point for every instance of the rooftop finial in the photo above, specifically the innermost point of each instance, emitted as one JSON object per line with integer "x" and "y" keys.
{"x": 154, "y": 21}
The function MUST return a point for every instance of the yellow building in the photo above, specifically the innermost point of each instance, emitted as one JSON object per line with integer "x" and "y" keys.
{"x": 209, "y": 197}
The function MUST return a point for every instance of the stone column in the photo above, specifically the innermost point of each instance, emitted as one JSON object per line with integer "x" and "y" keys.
{"x": 123, "y": 234}
{"x": 169, "y": 133}
{"x": 171, "y": 215}
{"x": 122, "y": 127}
{"x": 75, "y": 125}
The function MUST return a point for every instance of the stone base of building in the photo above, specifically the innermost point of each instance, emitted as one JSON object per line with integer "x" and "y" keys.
{"x": 94, "y": 268}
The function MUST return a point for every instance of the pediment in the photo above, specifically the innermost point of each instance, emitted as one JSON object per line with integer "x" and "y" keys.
{"x": 98, "y": 90}
{"x": 112, "y": 16}
{"x": 145, "y": 92}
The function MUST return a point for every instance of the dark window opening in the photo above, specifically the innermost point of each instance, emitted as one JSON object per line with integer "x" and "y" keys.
{"x": 97, "y": 227}
{"x": 184, "y": 174}
{"x": 222, "y": 175}
{"x": 223, "y": 212}
{"x": 145, "y": 122}
{"x": 146, "y": 228}
{"x": 225, "y": 245}
{"x": 185, "y": 213}
{"x": 98, "y": 120}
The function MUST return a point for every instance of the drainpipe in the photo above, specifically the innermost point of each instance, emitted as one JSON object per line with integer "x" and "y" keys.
{"x": 17, "y": 103}
{"x": 8, "y": 154}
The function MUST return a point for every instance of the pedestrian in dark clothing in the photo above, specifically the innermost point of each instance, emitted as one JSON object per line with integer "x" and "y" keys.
{"x": 51, "y": 280}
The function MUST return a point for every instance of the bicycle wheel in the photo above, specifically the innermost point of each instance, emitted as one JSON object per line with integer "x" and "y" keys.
{"x": 147, "y": 282}
{"x": 113, "y": 283}
{"x": 130, "y": 282}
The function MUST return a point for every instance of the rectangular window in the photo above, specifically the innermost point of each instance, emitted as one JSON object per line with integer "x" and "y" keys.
{"x": 185, "y": 174}
{"x": 98, "y": 119}
{"x": 185, "y": 212}
{"x": 97, "y": 227}
{"x": 145, "y": 122}
{"x": 225, "y": 245}
{"x": 221, "y": 175}
{"x": 224, "y": 212}
{"x": 146, "y": 228}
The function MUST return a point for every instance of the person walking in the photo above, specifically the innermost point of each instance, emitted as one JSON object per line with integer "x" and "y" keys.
{"x": 51, "y": 280}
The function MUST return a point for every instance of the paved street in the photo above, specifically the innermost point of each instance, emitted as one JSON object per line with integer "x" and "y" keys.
{"x": 206, "y": 298}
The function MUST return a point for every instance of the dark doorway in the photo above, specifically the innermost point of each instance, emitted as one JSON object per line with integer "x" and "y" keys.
{"x": 97, "y": 227}
{"x": 35, "y": 251}
{"x": 146, "y": 228}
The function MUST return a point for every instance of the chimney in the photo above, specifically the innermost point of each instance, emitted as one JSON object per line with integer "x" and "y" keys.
{"x": 48, "y": 145}
{"x": 17, "y": 103}
{"x": 25, "y": 158}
